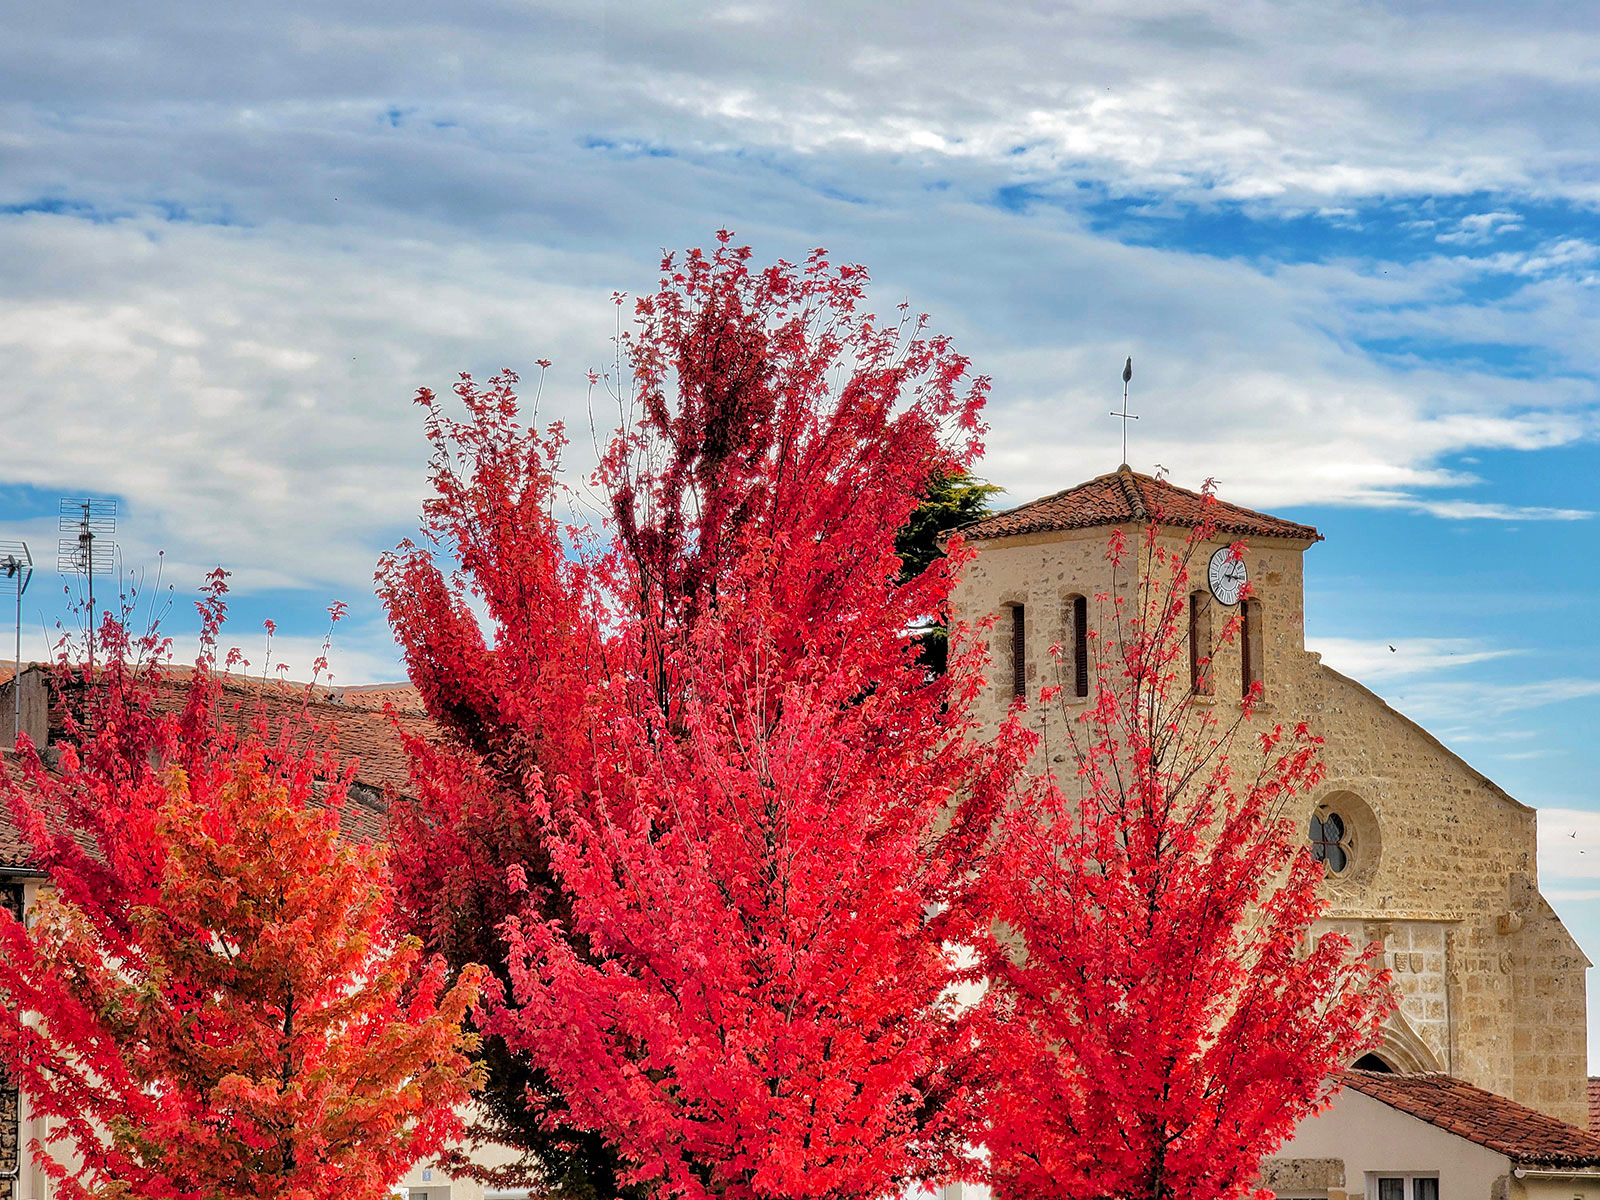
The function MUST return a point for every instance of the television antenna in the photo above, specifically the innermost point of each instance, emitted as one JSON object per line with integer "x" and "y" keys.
{"x": 91, "y": 549}
{"x": 16, "y": 564}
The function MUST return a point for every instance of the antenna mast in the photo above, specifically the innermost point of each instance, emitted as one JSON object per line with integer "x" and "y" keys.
{"x": 1125, "y": 416}
{"x": 91, "y": 549}
{"x": 17, "y": 565}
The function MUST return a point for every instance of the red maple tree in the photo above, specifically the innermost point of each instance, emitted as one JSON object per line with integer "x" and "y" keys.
{"x": 698, "y": 765}
{"x": 1160, "y": 1016}
{"x": 511, "y": 708}
{"x": 207, "y": 1000}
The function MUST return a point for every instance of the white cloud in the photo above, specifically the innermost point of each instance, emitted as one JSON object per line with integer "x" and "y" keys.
{"x": 1561, "y": 255}
{"x": 1481, "y": 227}
{"x": 1438, "y": 702}
{"x": 1569, "y": 846}
{"x": 356, "y": 654}
{"x": 408, "y": 197}
{"x": 1369, "y": 661}
{"x": 1477, "y": 510}
{"x": 1310, "y": 103}
{"x": 249, "y": 398}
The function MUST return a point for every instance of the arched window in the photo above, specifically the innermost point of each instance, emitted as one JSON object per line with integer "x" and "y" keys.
{"x": 1019, "y": 651}
{"x": 1249, "y": 644}
{"x": 1371, "y": 1062}
{"x": 1200, "y": 643}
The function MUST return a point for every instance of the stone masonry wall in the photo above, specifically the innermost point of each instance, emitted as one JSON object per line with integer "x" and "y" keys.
{"x": 1443, "y": 869}
{"x": 1548, "y": 999}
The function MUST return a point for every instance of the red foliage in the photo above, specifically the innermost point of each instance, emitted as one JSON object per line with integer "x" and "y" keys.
{"x": 208, "y": 1001}
{"x": 699, "y": 769}
{"x": 513, "y": 714}
{"x": 1160, "y": 1016}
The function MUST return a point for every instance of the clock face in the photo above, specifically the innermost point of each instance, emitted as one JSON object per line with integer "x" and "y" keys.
{"x": 1226, "y": 575}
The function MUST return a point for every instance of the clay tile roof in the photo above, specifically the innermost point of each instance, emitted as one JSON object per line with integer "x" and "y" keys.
{"x": 354, "y": 727}
{"x": 1125, "y": 496}
{"x": 362, "y": 731}
{"x": 13, "y": 852}
{"x": 402, "y": 696}
{"x": 1501, "y": 1125}
{"x": 1594, "y": 1105}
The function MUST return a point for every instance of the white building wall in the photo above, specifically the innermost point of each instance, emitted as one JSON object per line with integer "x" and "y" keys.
{"x": 1371, "y": 1138}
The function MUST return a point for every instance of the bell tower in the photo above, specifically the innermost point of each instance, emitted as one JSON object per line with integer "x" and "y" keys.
{"x": 1040, "y": 566}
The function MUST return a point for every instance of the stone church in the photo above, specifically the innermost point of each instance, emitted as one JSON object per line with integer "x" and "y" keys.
{"x": 1423, "y": 854}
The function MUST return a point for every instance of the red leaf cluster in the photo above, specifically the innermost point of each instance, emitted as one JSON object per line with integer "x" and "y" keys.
{"x": 1159, "y": 1014}
{"x": 717, "y": 816}
{"x": 207, "y": 1000}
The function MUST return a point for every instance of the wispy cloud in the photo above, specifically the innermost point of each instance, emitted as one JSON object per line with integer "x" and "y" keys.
{"x": 1571, "y": 895}
{"x": 1369, "y": 660}
{"x": 1443, "y": 702}
{"x": 1480, "y": 227}
{"x": 1478, "y": 510}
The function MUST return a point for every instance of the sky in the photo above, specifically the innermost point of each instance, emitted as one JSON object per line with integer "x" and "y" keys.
{"x": 1353, "y": 249}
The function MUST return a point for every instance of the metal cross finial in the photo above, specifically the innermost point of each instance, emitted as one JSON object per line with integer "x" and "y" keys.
{"x": 1125, "y": 416}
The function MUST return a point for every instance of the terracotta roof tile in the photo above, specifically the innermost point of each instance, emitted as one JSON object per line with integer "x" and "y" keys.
{"x": 368, "y": 735}
{"x": 1127, "y": 496}
{"x": 1594, "y": 1104}
{"x": 404, "y": 697}
{"x": 1492, "y": 1121}
{"x": 13, "y": 853}
{"x": 361, "y": 731}
{"x": 355, "y": 727}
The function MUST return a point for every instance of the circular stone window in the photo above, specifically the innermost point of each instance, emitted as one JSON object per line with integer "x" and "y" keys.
{"x": 1343, "y": 836}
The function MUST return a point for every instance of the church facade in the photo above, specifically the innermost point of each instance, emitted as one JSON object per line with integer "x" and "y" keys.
{"x": 1424, "y": 855}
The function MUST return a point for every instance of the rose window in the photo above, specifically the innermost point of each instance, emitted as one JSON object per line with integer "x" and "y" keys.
{"x": 1330, "y": 841}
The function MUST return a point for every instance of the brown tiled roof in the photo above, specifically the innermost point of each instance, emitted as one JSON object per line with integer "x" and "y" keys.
{"x": 363, "y": 731}
{"x": 368, "y": 735}
{"x": 13, "y": 850}
{"x": 1594, "y": 1105}
{"x": 1126, "y": 496}
{"x": 1501, "y": 1125}
{"x": 355, "y": 727}
{"x": 13, "y": 853}
{"x": 404, "y": 697}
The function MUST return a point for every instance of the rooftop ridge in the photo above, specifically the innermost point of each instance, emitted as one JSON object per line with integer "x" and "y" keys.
{"x": 1127, "y": 496}
{"x": 1129, "y": 483}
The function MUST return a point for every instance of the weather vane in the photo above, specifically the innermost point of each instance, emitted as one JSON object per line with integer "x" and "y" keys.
{"x": 1125, "y": 416}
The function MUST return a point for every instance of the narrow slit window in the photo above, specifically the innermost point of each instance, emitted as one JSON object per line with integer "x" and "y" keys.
{"x": 1080, "y": 646}
{"x": 1249, "y": 644}
{"x": 1199, "y": 644}
{"x": 1019, "y": 651}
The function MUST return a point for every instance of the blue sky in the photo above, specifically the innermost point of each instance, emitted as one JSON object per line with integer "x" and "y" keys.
{"x": 1352, "y": 248}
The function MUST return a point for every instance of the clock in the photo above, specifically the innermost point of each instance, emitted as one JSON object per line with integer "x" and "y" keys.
{"x": 1226, "y": 575}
